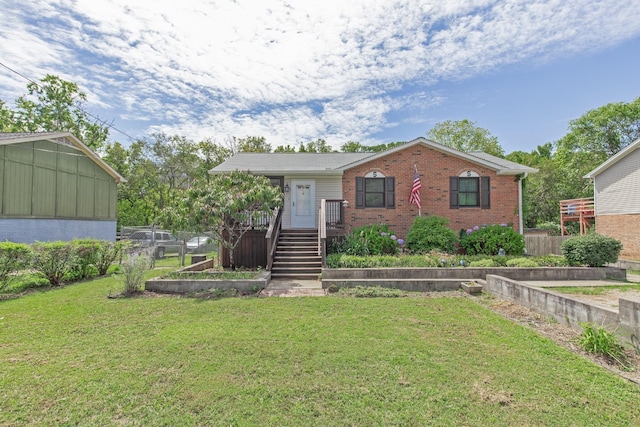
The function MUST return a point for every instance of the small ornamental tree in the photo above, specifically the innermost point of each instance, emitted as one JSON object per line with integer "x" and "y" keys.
{"x": 227, "y": 206}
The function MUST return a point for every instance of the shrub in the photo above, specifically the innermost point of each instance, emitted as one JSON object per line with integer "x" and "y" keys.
{"x": 521, "y": 262}
{"x": 489, "y": 240}
{"x": 431, "y": 233}
{"x": 13, "y": 258}
{"x": 552, "y": 228}
{"x": 483, "y": 263}
{"x": 552, "y": 261}
{"x": 597, "y": 340}
{"x": 108, "y": 253}
{"x": 53, "y": 259}
{"x": 369, "y": 240}
{"x": 84, "y": 260}
{"x": 133, "y": 268}
{"x": 594, "y": 250}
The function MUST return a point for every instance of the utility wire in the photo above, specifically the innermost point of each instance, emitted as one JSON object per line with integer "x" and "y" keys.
{"x": 107, "y": 124}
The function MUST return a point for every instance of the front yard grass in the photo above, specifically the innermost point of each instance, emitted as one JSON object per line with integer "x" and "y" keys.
{"x": 71, "y": 356}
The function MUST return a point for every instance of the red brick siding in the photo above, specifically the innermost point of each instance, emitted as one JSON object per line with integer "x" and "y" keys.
{"x": 623, "y": 228}
{"x": 435, "y": 168}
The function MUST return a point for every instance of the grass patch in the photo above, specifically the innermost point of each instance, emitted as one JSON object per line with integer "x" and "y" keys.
{"x": 71, "y": 356}
{"x": 594, "y": 290}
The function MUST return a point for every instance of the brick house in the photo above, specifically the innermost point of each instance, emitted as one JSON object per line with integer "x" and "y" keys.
{"x": 358, "y": 189}
{"x": 616, "y": 184}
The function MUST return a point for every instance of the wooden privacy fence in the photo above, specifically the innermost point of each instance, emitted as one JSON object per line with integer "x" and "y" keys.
{"x": 543, "y": 245}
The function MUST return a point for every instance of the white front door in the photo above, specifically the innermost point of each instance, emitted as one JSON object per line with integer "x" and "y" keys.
{"x": 303, "y": 204}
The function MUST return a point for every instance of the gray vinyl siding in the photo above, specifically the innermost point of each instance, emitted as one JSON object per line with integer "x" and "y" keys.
{"x": 617, "y": 189}
{"x": 326, "y": 188}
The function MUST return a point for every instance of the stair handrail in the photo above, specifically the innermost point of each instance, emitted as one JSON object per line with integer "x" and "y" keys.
{"x": 272, "y": 236}
{"x": 322, "y": 230}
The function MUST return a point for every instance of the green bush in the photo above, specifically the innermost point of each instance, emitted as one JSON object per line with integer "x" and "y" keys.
{"x": 597, "y": 340}
{"x": 85, "y": 258}
{"x": 483, "y": 263}
{"x": 490, "y": 239}
{"x": 521, "y": 262}
{"x": 108, "y": 253}
{"x": 13, "y": 258}
{"x": 133, "y": 268}
{"x": 53, "y": 259}
{"x": 369, "y": 240}
{"x": 552, "y": 261}
{"x": 552, "y": 228}
{"x": 430, "y": 233}
{"x": 594, "y": 250}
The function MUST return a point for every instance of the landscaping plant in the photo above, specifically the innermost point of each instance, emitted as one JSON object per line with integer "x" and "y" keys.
{"x": 430, "y": 233}
{"x": 374, "y": 239}
{"x": 133, "y": 268}
{"x": 13, "y": 258}
{"x": 53, "y": 259}
{"x": 597, "y": 340}
{"x": 594, "y": 250}
{"x": 488, "y": 240}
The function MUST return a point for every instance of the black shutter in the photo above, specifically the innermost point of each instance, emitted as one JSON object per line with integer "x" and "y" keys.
{"x": 359, "y": 192}
{"x": 453, "y": 192}
{"x": 485, "y": 192}
{"x": 390, "y": 188}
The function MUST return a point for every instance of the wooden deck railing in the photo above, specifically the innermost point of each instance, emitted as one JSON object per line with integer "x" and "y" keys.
{"x": 272, "y": 235}
{"x": 581, "y": 210}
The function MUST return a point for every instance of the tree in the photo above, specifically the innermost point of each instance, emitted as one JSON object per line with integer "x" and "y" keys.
{"x": 317, "y": 146}
{"x": 593, "y": 138}
{"x": 250, "y": 144}
{"x": 465, "y": 136}
{"x": 225, "y": 206}
{"x": 211, "y": 155}
{"x": 285, "y": 149}
{"x": 356, "y": 147}
{"x": 54, "y": 105}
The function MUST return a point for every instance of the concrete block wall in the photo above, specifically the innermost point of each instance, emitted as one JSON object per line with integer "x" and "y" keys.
{"x": 570, "y": 311}
{"x": 623, "y": 228}
{"x": 435, "y": 168}
{"x": 30, "y": 230}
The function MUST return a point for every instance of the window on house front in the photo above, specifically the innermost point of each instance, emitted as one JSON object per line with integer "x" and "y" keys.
{"x": 469, "y": 191}
{"x": 375, "y": 192}
{"x": 277, "y": 181}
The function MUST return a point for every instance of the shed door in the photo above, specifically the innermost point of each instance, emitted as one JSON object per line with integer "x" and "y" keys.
{"x": 303, "y": 204}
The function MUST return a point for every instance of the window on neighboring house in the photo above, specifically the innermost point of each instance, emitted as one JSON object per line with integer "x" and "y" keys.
{"x": 375, "y": 192}
{"x": 469, "y": 191}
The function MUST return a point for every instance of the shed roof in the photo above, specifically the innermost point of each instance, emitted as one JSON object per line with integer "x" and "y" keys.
{"x": 614, "y": 159}
{"x": 64, "y": 138}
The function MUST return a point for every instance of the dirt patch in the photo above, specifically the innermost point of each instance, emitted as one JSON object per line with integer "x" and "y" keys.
{"x": 608, "y": 298}
{"x": 562, "y": 335}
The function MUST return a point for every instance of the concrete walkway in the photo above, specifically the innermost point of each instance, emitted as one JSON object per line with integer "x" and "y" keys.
{"x": 293, "y": 288}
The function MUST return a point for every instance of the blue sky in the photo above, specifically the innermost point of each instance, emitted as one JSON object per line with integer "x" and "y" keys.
{"x": 358, "y": 70}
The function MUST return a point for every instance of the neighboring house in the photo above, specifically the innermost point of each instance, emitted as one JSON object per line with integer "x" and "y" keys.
{"x": 468, "y": 189}
{"x": 616, "y": 184}
{"x": 53, "y": 187}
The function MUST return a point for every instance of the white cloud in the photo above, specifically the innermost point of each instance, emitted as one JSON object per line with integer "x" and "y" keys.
{"x": 222, "y": 67}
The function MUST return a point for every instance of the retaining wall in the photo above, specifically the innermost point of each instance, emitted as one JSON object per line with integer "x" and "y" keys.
{"x": 568, "y": 310}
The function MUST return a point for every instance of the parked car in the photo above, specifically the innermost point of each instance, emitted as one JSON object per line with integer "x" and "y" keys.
{"x": 200, "y": 244}
{"x": 163, "y": 241}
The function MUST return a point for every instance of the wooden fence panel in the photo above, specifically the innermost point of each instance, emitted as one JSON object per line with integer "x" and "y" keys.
{"x": 543, "y": 245}
{"x": 250, "y": 253}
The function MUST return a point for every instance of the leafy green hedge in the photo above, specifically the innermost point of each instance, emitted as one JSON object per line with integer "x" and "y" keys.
{"x": 594, "y": 250}
{"x": 488, "y": 240}
{"x": 374, "y": 239}
{"x": 13, "y": 258}
{"x": 436, "y": 260}
{"x": 430, "y": 233}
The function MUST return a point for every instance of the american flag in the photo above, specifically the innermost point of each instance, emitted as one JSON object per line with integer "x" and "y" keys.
{"x": 414, "y": 198}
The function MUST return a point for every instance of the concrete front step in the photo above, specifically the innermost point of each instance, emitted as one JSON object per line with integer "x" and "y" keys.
{"x": 294, "y": 275}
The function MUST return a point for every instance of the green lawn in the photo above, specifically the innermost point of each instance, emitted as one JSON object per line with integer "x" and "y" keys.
{"x": 71, "y": 356}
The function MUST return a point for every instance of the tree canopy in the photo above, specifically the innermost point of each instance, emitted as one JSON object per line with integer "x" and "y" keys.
{"x": 465, "y": 136}
{"x": 54, "y": 105}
